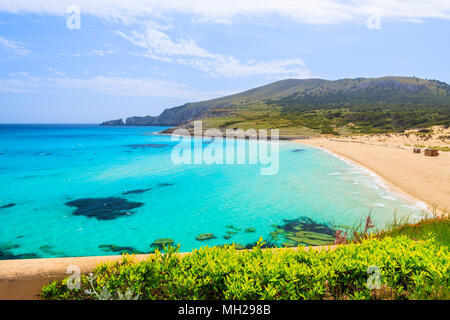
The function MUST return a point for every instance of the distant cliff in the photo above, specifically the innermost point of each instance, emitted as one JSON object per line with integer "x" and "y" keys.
{"x": 169, "y": 117}
{"x": 118, "y": 122}
{"x": 387, "y": 103}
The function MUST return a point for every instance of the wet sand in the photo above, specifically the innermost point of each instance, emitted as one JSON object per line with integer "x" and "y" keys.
{"x": 424, "y": 178}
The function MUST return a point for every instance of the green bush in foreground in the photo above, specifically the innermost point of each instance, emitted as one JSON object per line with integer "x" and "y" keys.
{"x": 408, "y": 270}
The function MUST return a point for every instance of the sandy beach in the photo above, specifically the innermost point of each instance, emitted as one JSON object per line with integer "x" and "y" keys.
{"x": 424, "y": 178}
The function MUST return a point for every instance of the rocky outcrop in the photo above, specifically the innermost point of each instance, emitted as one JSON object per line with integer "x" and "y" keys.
{"x": 204, "y": 236}
{"x": 170, "y": 117}
{"x": 103, "y": 208}
{"x": 118, "y": 122}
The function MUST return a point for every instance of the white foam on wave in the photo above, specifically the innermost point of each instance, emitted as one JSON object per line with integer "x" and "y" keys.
{"x": 378, "y": 181}
{"x": 379, "y": 204}
{"x": 422, "y": 205}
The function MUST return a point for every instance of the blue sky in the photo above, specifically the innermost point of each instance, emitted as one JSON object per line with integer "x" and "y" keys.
{"x": 138, "y": 57}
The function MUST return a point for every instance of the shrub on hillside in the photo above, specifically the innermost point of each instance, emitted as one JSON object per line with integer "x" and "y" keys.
{"x": 408, "y": 270}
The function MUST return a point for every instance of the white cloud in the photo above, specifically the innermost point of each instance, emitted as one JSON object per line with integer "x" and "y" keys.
{"x": 231, "y": 67}
{"x": 59, "y": 73}
{"x": 20, "y": 74}
{"x": 159, "y": 45}
{"x": 93, "y": 52}
{"x": 117, "y": 86}
{"x": 19, "y": 85}
{"x": 13, "y": 46}
{"x": 305, "y": 11}
{"x": 101, "y": 53}
{"x": 130, "y": 87}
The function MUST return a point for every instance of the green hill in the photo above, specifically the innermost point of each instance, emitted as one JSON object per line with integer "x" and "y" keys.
{"x": 303, "y": 107}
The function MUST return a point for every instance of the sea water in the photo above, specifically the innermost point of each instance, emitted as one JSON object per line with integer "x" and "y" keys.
{"x": 45, "y": 168}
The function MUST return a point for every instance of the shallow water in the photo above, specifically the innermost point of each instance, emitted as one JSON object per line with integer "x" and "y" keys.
{"x": 52, "y": 177}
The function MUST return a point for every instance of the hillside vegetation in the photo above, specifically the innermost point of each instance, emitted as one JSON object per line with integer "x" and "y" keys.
{"x": 407, "y": 269}
{"x": 437, "y": 227}
{"x": 311, "y": 106}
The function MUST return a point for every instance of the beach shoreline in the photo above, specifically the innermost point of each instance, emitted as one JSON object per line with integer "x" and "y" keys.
{"x": 420, "y": 178}
{"x": 424, "y": 170}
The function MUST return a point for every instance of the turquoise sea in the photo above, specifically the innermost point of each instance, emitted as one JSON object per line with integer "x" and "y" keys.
{"x": 54, "y": 178}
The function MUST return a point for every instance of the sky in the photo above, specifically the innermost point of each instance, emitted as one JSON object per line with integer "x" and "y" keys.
{"x": 88, "y": 61}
